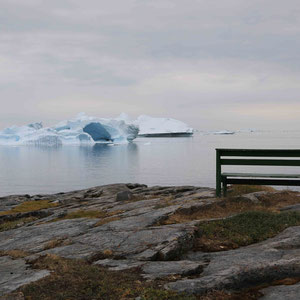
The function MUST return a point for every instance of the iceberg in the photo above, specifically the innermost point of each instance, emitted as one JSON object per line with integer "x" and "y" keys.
{"x": 80, "y": 130}
{"x": 160, "y": 127}
{"x": 152, "y": 127}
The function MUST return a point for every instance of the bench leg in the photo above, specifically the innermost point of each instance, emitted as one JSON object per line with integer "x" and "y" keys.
{"x": 224, "y": 187}
{"x": 218, "y": 188}
{"x": 218, "y": 174}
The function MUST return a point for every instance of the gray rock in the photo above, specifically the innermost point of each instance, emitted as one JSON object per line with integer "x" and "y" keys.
{"x": 113, "y": 189}
{"x": 270, "y": 260}
{"x": 73, "y": 251}
{"x": 148, "y": 254}
{"x": 124, "y": 196}
{"x": 154, "y": 269}
{"x": 157, "y": 269}
{"x": 129, "y": 230}
{"x": 137, "y": 207}
{"x": 15, "y": 273}
{"x": 286, "y": 292}
{"x": 253, "y": 197}
{"x": 119, "y": 265}
{"x": 34, "y": 238}
{"x": 295, "y": 207}
{"x": 142, "y": 220}
{"x": 135, "y": 186}
{"x": 166, "y": 241}
{"x": 198, "y": 194}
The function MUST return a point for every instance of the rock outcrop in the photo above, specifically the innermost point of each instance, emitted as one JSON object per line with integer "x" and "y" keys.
{"x": 120, "y": 227}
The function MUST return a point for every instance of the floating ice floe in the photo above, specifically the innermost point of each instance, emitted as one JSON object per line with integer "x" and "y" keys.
{"x": 248, "y": 130}
{"x": 159, "y": 127}
{"x": 233, "y": 132}
{"x": 82, "y": 129}
{"x": 224, "y": 132}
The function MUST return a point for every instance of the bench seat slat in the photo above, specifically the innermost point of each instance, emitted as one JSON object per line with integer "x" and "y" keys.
{"x": 259, "y": 175}
{"x": 260, "y": 162}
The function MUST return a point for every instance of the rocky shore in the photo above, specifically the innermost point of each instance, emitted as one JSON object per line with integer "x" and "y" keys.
{"x": 153, "y": 230}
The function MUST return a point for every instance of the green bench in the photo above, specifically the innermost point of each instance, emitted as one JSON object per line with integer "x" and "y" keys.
{"x": 255, "y": 157}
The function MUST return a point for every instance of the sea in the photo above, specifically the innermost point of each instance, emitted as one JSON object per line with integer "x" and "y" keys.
{"x": 152, "y": 161}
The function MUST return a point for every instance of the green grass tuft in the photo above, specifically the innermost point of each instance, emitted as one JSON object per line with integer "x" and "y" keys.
{"x": 244, "y": 229}
{"x": 91, "y": 214}
{"x": 241, "y": 189}
{"x": 16, "y": 223}
{"x": 30, "y": 206}
{"x": 85, "y": 214}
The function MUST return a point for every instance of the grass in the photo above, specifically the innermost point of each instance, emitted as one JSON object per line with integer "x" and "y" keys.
{"x": 30, "y": 206}
{"x": 241, "y": 189}
{"x": 91, "y": 214}
{"x": 15, "y": 254}
{"x": 8, "y": 225}
{"x": 75, "y": 279}
{"x": 236, "y": 205}
{"x": 107, "y": 253}
{"x": 165, "y": 202}
{"x": 243, "y": 229}
{"x": 57, "y": 243}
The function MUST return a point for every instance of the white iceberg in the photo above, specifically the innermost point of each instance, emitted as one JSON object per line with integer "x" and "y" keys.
{"x": 160, "y": 127}
{"x": 82, "y": 129}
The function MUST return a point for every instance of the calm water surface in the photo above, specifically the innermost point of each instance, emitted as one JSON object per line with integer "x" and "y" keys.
{"x": 153, "y": 161}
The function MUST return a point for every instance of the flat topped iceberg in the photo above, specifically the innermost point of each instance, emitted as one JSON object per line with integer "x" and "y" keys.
{"x": 82, "y": 129}
{"x": 152, "y": 127}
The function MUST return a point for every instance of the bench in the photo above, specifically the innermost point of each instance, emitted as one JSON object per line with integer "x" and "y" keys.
{"x": 249, "y": 157}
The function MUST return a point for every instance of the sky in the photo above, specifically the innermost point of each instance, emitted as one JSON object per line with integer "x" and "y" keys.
{"x": 213, "y": 64}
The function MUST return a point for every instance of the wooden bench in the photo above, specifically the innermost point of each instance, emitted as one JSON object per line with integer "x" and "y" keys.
{"x": 267, "y": 157}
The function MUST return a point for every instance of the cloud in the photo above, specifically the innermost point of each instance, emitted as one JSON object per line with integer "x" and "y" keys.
{"x": 278, "y": 111}
{"x": 188, "y": 60}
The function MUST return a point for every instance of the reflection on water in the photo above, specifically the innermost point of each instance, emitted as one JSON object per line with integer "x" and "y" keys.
{"x": 52, "y": 169}
{"x": 163, "y": 161}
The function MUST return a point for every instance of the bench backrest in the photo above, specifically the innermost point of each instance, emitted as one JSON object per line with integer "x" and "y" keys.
{"x": 278, "y": 153}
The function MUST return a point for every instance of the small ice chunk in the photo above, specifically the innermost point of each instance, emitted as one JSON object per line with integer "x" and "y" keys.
{"x": 224, "y": 132}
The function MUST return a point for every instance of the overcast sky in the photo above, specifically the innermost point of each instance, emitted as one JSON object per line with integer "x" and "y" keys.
{"x": 214, "y": 64}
